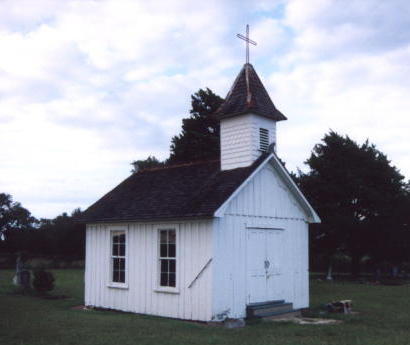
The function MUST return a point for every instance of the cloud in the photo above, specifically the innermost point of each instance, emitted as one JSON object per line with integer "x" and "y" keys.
{"x": 88, "y": 86}
{"x": 346, "y": 70}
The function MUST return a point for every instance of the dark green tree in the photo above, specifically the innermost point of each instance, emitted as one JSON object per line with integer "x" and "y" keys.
{"x": 62, "y": 236}
{"x": 358, "y": 195}
{"x": 199, "y": 138}
{"x": 149, "y": 163}
{"x": 13, "y": 216}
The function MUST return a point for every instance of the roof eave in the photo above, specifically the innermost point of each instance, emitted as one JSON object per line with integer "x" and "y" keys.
{"x": 278, "y": 116}
{"x": 313, "y": 217}
{"x": 145, "y": 220}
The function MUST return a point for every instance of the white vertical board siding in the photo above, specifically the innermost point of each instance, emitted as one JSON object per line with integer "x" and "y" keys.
{"x": 265, "y": 202}
{"x": 194, "y": 249}
{"x": 240, "y": 139}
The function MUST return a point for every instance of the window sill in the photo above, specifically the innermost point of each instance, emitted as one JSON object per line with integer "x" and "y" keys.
{"x": 174, "y": 291}
{"x": 118, "y": 286}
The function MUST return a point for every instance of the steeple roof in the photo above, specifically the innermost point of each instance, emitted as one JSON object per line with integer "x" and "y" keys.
{"x": 248, "y": 95}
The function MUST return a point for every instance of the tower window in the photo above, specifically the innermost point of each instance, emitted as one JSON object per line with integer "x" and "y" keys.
{"x": 263, "y": 139}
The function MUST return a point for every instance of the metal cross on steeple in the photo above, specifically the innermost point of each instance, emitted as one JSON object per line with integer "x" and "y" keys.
{"x": 247, "y": 40}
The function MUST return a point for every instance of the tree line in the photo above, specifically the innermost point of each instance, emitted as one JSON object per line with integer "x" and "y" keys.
{"x": 62, "y": 236}
{"x": 362, "y": 199}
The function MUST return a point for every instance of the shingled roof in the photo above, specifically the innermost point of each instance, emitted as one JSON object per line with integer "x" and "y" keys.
{"x": 248, "y": 95}
{"x": 184, "y": 191}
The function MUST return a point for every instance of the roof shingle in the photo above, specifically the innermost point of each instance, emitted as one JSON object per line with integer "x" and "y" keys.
{"x": 184, "y": 191}
{"x": 248, "y": 95}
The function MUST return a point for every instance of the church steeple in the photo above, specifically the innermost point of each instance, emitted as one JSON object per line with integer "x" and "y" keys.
{"x": 248, "y": 95}
{"x": 248, "y": 121}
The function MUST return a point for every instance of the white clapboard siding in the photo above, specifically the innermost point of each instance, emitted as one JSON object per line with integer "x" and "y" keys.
{"x": 240, "y": 139}
{"x": 194, "y": 250}
{"x": 265, "y": 202}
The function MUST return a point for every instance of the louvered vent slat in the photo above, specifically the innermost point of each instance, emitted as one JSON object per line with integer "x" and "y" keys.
{"x": 263, "y": 139}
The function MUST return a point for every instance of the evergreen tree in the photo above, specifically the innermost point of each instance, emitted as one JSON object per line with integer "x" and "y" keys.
{"x": 149, "y": 163}
{"x": 359, "y": 196}
{"x": 199, "y": 138}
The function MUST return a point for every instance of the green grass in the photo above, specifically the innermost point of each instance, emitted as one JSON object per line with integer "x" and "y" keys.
{"x": 384, "y": 318}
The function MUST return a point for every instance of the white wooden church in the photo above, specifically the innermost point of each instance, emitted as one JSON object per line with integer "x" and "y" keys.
{"x": 208, "y": 240}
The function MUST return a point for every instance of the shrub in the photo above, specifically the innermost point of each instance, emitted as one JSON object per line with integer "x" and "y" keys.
{"x": 43, "y": 281}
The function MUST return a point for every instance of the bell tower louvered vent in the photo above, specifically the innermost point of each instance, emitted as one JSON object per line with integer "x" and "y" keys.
{"x": 263, "y": 139}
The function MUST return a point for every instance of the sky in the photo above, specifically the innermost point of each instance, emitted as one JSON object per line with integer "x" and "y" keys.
{"x": 86, "y": 87}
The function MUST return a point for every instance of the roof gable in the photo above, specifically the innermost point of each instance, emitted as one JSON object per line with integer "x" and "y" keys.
{"x": 292, "y": 188}
{"x": 248, "y": 95}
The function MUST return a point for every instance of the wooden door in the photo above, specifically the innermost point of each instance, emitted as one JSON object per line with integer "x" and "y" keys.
{"x": 264, "y": 265}
{"x": 275, "y": 259}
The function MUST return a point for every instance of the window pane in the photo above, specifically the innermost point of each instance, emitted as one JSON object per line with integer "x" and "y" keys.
{"x": 121, "y": 249}
{"x": 171, "y": 251}
{"x": 115, "y": 276}
{"x": 171, "y": 236}
{"x": 163, "y": 250}
{"x": 114, "y": 249}
{"x": 121, "y": 277}
{"x": 122, "y": 264}
{"x": 163, "y": 236}
{"x": 164, "y": 266}
{"x": 164, "y": 279}
{"x": 171, "y": 279}
{"x": 171, "y": 266}
{"x": 121, "y": 238}
{"x": 115, "y": 238}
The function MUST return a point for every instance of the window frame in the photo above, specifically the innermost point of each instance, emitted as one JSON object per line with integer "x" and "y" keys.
{"x": 167, "y": 289}
{"x": 111, "y": 282}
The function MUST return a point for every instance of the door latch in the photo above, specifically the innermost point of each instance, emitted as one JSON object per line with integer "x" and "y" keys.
{"x": 267, "y": 264}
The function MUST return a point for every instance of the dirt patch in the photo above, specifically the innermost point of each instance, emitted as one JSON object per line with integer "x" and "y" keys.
{"x": 308, "y": 321}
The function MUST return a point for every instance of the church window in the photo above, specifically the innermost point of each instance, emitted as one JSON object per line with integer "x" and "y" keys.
{"x": 118, "y": 248}
{"x": 263, "y": 139}
{"x": 167, "y": 257}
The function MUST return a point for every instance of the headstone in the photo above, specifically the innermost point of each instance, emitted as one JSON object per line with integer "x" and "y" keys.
{"x": 22, "y": 273}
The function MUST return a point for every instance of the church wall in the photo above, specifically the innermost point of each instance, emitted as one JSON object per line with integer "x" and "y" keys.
{"x": 194, "y": 250}
{"x": 240, "y": 139}
{"x": 264, "y": 203}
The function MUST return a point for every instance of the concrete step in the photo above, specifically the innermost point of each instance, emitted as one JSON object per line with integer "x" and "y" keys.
{"x": 268, "y": 309}
{"x": 267, "y": 303}
{"x": 289, "y": 315}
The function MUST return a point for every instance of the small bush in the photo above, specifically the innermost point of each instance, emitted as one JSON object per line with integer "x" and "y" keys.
{"x": 43, "y": 281}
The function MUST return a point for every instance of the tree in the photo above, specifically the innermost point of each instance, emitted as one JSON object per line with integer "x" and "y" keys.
{"x": 62, "y": 235}
{"x": 149, "y": 163}
{"x": 358, "y": 194}
{"x": 199, "y": 138}
{"x": 13, "y": 216}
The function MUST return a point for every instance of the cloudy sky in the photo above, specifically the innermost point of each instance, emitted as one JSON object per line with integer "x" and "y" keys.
{"x": 88, "y": 86}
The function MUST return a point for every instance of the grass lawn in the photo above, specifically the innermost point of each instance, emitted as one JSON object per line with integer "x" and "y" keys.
{"x": 384, "y": 318}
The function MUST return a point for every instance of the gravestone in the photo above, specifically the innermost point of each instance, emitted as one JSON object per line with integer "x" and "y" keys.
{"x": 22, "y": 273}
